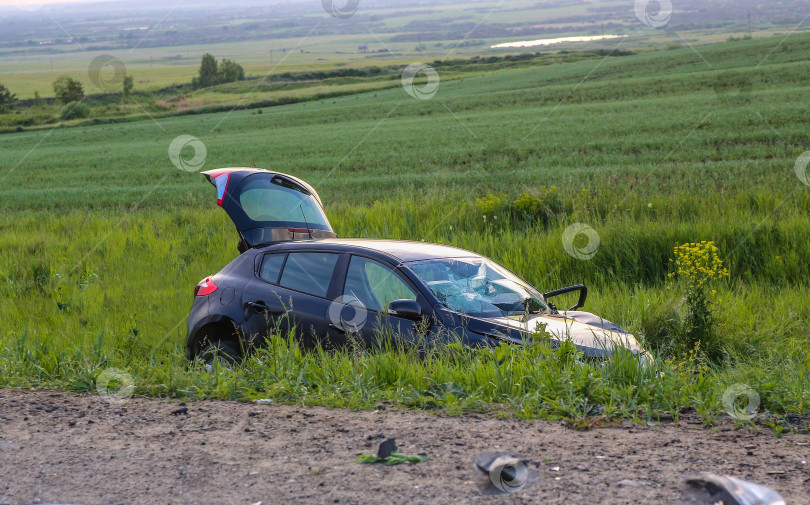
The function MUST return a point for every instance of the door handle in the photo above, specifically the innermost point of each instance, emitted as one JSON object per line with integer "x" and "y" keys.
{"x": 258, "y": 306}
{"x": 339, "y": 329}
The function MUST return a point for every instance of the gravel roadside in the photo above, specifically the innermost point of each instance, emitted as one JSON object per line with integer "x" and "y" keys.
{"x": 78, "y": 449}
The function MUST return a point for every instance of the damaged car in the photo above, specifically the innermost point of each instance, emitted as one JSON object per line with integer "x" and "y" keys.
{"x": 295, "y": 275}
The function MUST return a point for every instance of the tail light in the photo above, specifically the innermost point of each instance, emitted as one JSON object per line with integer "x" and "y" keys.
{"x": 220, "y": 180}
{"x": 205, "y": 287}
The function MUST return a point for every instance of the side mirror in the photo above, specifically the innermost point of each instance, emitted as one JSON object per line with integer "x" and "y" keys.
{"x": 406, "y": 309}
{"x": 583, "y": 294}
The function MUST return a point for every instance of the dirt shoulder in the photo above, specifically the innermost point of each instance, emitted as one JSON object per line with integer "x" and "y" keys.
{"x": 65, "y": 448}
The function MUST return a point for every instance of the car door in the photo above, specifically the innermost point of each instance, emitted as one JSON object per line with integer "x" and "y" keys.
{"x": 369, "y": 287}
{"x": 265, "y": 303}
{"x": 293, "y": 291}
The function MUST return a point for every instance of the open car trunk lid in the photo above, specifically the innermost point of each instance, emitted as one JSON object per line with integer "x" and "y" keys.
{"x": 268, "y": 207}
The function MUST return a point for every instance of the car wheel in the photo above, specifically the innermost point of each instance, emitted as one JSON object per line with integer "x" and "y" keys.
{"x": 224, "y": 351}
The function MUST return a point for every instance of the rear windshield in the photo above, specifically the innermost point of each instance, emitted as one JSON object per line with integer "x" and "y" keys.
{"x": 265, "y": 199}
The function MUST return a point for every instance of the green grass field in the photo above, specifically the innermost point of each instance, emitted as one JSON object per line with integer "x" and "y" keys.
{"x": 103, "y": 239}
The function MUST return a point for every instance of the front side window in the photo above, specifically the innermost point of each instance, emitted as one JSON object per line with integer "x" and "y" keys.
{"x": 309, "y": 272}
{"x": 479, "y": 287}
{"x": 374, "y": 284}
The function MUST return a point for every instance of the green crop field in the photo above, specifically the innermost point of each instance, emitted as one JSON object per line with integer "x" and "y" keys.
{"x": 103, "y": 238}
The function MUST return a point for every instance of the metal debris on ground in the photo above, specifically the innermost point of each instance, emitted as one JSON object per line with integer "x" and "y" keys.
{"x": 504, "y": 472}
{"x": 387, "y": 453}
{"x": 710, "y": 489}
{"x": 387, "y": 447}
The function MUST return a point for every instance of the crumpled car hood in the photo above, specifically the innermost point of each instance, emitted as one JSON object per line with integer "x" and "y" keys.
{"x": 594, "y": 335}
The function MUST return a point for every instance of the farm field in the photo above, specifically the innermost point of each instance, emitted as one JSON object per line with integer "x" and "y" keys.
{"x": 159, "y": 67}
{"x": 269, "y": 38}
{"x": 103, "y": 238}
{"x": 297, "y": 83}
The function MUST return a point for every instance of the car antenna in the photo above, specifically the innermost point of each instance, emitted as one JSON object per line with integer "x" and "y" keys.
{"x": 303, "y": 214}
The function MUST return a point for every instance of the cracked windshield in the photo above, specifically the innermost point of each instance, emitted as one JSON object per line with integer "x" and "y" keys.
{"x": 479, "y": 287}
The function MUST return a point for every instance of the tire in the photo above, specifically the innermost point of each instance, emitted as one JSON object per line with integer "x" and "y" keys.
{"x": 227, "y": 352}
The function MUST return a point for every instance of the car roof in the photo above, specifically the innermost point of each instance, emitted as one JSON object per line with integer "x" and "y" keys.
{"x": 403, "y": 250}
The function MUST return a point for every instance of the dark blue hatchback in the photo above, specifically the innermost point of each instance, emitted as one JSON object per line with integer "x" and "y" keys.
{"x": 294, "y": 275}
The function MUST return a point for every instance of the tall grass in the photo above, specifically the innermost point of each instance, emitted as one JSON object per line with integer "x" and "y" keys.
{"x": 530, "y": 381}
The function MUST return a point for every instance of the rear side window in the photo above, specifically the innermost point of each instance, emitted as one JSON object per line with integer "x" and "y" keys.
{"x": 309, "y": 272}
{"x": 271, "y": 267}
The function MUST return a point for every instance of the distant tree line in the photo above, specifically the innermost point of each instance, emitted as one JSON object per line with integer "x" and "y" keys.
{"x": 213, "y": 73}
{"x": 329, "y": 74}
{"x": 7, "y": 98}
{"x": 70, "y": 92}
